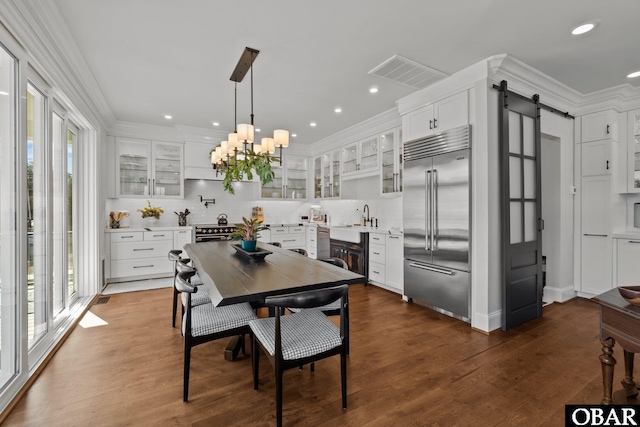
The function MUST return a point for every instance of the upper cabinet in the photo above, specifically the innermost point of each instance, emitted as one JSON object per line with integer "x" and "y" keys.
{"x": 445, "y": 114}
{"x": 290, "y": 180}
{"x": 326, "y": 175}
{"x": 597, "y": 157}
{"x": 150, "y": 168}
{"x": 391, "y": 162}
{"x": 633, "y": 151}
{"x": 360, "y": 159}
{"x": 600, "y": 125}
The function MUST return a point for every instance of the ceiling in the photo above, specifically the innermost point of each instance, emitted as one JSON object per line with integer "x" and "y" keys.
{"x": 157, "y": 57}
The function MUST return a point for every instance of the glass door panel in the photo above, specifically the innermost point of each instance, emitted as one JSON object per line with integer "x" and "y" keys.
{"x": 296, "y": 186}
{"x": 368, "y": 154}
{"x": 326, "y": 175}
{"x": 318, "y": 169}
{"x": 36, "y": 216}
{"x": 274, "y": 189}
{"x": 58, "y": 168}
{"x": 387, "y": 151}
{"x": 8, "y": 284}
{"x": 635, "y": 140}
{"x": 71, "y": 207}
{"x": 134, "y": 165}
{"x": 167, "y": 161}
{"x": 350, "y": 159}
{"x": 335, "y": 170}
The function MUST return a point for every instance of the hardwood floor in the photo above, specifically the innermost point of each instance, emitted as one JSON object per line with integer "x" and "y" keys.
{"x": 408, "y": 366}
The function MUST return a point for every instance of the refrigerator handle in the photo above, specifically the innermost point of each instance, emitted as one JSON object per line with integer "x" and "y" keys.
{"x": 429, "y": 268}
{"x": 427, "y": 210}
{"x": 434, "y": 213}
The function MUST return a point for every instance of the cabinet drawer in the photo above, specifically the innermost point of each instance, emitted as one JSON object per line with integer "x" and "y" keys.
{"x": 158, "y": 235}
{"x": 134, "y": 236}
{"x": 290, "y": 241}
{"x": 377, "y": 272}
{"x": 296, "y": 230}
{"x": 279, "y": 230}
{"x": 312, "y": 239}
{"x": 376, "y": 238}
{"x": 312, "y": 253}
{"x": 140, "y": 267}
{"x": 138, "y": 250}
{"x": 377, "y": 253}
{"x": 312, "y": 231}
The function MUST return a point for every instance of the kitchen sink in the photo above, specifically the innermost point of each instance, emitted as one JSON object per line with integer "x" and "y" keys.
{"x": 346, "y": 234}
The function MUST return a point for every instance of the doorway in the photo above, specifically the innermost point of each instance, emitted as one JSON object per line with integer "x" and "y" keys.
{"x": 550, "y": 195}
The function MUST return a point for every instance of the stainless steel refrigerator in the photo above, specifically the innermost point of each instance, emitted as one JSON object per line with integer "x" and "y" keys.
{"x": 436, "y": 216}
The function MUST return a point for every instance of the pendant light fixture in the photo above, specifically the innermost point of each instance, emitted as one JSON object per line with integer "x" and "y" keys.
{"x": 255, "y": 158}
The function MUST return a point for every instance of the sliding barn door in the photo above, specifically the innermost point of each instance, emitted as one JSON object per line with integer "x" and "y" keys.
{"x": 519, "y": 121}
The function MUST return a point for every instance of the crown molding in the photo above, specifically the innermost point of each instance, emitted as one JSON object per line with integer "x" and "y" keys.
{"x": 145, "y": 131}
{"x": 40, "y": 28}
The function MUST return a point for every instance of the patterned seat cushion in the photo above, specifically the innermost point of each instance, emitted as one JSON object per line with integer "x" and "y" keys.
{"x": 207, "y": 319}
{"x": 198, "y": 298}
{"x": 303, "y": 334}
{"x": 329, "y": 307}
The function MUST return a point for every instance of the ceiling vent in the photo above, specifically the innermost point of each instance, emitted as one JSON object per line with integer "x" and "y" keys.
{"x": 407, "y": 72}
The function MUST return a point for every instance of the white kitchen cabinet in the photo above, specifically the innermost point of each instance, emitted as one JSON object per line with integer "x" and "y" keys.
{"x": 377, "y": 259}
{"x": 597, "y": 157}
{"x": 290, "y": 179}
{"x": 445, "y": 114}
{"x": 290, "y": 237}
{"x": 361, "y": 158}
{"x": 150, "y": 168}
{"x": 633, "y": 151}
{"x": 394, "y": 263}
{"x": 596, "y": 241}
{"x": 317, "y": 241}
{"x": 181, "y": 238}
{"x": 599, "y": 125}
{"x": 326, "y": 175}
{"x": 627, "y": 266}
{"x": 197, "y": 162}
{"x": 391, "y": 162}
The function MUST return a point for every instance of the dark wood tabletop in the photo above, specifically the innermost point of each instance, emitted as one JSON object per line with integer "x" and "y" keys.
{"x": 231, "y": 278}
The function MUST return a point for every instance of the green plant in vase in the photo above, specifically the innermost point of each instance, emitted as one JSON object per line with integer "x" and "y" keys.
{"x": 248, "y": 231}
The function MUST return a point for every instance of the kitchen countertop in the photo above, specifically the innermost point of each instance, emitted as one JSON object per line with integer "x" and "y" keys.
{"x": 130, "y": 229}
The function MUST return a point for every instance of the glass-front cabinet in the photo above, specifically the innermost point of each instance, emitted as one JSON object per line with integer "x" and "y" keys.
{"x": 326, "y": 175}
{"x": 633, "y": 153}
{"x": 290, "y": 180}
{"x": 361, "y": 158}
{"x": 149, "y": 168}
{"x": 391, "y": 162}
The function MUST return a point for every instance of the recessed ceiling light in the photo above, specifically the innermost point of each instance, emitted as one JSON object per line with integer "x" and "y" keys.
{"x": 312, "y": 124}
{"x": 207, "y": 137}
{"x": 168, "y": 117}
{"x": 583, "y": 28}
{"x": 294, "y": 135}
{"x": 338, "y": 110}
{"x": 216, "y": 124}
{"x": 634, "y": 74}
{"x": 373, "y": 89}
{"x": 257, "y": 129}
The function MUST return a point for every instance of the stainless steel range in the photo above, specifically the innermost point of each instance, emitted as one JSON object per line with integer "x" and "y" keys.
{"x": 209, "y": 232}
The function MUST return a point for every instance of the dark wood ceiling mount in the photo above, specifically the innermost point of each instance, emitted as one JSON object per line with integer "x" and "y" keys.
{"x": 244, "y": 64}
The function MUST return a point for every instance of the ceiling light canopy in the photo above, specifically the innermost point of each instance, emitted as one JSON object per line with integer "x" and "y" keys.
{"x": 584, "y": 28}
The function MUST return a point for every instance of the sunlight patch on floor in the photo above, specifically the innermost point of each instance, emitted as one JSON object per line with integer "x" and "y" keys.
{"x": 90, "y": 320}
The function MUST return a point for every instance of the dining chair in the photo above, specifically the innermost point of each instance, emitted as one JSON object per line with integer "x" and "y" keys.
{"x": 300, "y": 338}
{"x": 332, "y": 309}
{"x": 183, "y": 264}
{"x": 174, "y": 255}
{"x": 299, "y": 250}
{"x": 206, "y": 322}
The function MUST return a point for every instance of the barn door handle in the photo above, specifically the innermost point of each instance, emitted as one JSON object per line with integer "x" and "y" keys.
{"x": 607, "y": 129}
{"x": 607, "y": 164}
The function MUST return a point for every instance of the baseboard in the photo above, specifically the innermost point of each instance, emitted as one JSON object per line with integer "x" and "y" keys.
{"x": 486, "y": 323}
{"x": 555, "y": 294}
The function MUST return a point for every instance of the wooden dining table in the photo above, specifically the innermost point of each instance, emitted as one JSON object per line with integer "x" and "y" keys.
{"x": 231, "y": 278}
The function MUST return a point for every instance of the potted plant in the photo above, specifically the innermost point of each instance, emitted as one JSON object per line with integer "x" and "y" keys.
{"x": 248, "y": 232}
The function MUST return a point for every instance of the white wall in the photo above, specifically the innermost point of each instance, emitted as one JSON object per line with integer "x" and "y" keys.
{"x": 551, "y": 207}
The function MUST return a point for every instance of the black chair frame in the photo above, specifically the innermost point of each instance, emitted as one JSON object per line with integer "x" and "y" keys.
{"x": 183, "y": 285}
{"x": 309, "y": 299}
{"x": 174, "y": 255}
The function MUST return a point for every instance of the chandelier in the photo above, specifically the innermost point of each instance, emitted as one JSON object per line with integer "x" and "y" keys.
{"x": 240, "y": 155}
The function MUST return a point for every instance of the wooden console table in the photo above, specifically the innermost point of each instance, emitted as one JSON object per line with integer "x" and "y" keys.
{"x": 619, "y": 321}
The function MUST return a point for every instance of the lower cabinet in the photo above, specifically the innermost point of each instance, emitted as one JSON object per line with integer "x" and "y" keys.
{"x": 137, "y": 254}
{"x": 377, "y": 258}
{"x": 627, "y": 267}
{"x": 290, "y": 237}
{"x": 317, "y": 238}
{"x": 394, "y": 263}
{"x": 385, "y": 261}
{"x": 354, "y": 254}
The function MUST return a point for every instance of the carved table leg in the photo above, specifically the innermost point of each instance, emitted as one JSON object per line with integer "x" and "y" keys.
{"x": 628, "y": 383}
{"x": 608, "y": 363}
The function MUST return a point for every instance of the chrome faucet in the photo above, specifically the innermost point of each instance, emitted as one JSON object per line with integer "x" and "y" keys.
{"x": 368, "y": 220}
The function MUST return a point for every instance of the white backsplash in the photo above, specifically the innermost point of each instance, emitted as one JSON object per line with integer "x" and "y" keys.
{"x": 340, "y": 212}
